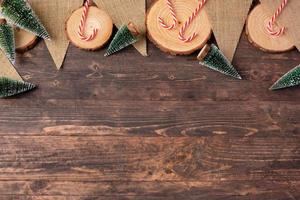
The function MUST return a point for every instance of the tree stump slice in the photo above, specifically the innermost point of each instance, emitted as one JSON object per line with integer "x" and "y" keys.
{"x": 24, "y": 40}
{"x": 259, "y": 36}
{"x": 167, "y": 40}
{"x": 97, "y": 18}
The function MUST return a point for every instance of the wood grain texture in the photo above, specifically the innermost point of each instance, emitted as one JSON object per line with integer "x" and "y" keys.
{"x": 158, "y": 127}
{"x": 7, "y": 69}
{"x": 227, "y": 19}
{"x": 151, "y": 167}
{"x": 53, "y": 14}
{"x": 288, "y": 18}
{"x": 125, "y": 11}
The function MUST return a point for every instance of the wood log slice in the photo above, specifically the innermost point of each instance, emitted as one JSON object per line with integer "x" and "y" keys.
{"x": 259, "y": 36}
{"x": 24, "y": 40}
{"x": 167, "y": 40}
{"x": 97, "y": 18}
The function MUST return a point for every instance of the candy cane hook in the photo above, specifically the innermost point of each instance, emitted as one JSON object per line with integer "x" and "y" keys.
{"x": 81, "y": 28}
{"x": 173, "y": 13}
{"x": 188, "y": 23}
{"x": 270, "y": 27}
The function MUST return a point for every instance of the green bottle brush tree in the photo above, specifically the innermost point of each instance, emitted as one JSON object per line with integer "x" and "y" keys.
{"x": 10, "y": 87}
{"x": 19, "y": 13}
{"x": 127, "y": 35}
{"x": 211, "y": 57}
{"x": 7, "y": 42}
{"x": 290, "y": 79}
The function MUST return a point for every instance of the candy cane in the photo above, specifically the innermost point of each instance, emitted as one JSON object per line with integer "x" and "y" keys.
{"x": 81, "y": 28}
{"x": 271, "y": 23}
{"x": 172, "y": 12}
{"x": 188, "y": 23}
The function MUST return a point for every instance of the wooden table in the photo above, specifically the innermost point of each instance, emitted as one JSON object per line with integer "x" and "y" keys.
{"x": 160, "y": 127}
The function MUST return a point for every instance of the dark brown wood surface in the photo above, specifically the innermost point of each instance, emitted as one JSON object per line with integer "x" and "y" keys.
{"x": 160, "y": 127}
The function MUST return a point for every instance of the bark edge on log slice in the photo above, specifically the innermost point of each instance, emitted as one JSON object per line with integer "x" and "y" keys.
{"x": 259, "y": 36}
{"x": 167, "y": 40}
{"x": 24, "y": 40}
{"x": 97, "y": 18}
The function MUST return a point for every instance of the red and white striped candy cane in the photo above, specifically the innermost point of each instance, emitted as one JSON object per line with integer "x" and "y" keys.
{"x": 173, "y": 13}
{"x": 270, "y": 27}
{"x": 188, "y": 23}
{"x": 81, "y": 28}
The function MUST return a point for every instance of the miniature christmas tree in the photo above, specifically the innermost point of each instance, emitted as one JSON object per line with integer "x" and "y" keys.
{"x": 211, "y": 57}
{"x": 290, "y": 79}
{"x": 9, "y": 87}
{"x": 7, "y": 41}
{"x": 127, "y": 35}
{"x": 20, "y": 14}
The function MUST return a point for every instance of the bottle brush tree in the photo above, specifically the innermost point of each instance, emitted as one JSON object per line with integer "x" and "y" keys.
{"x": 211, "y": 57}
{"x": 10, "y": 87}
{"x": 290, "y": 79}
{"x": 7, "y": 42}
{"x": 127, "y": 35}
{"x": 19, "y": 13}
